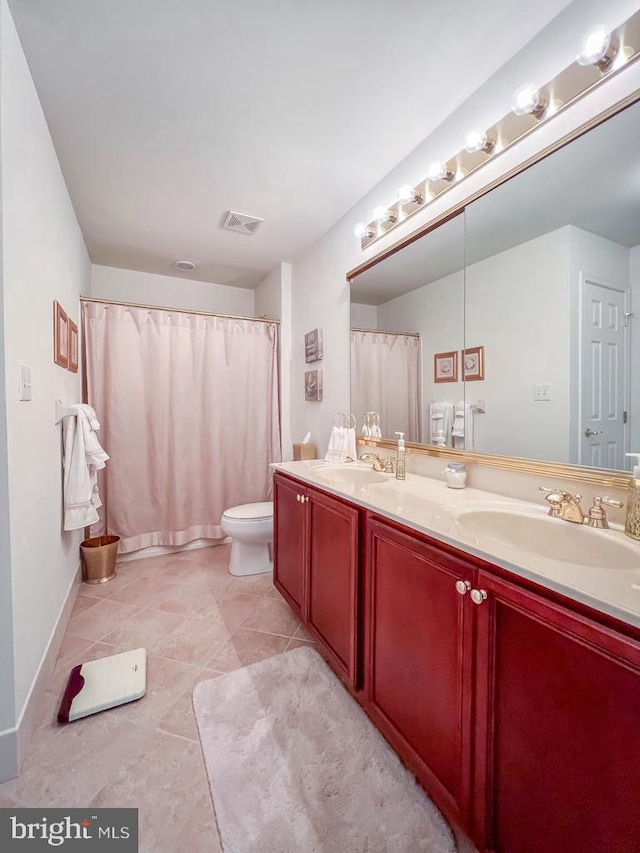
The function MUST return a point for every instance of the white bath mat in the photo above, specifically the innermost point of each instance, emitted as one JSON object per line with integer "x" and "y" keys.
{"x": 295, "y": 766}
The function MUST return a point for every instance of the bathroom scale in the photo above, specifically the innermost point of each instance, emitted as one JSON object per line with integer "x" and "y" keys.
{"x": 104, "y": 683}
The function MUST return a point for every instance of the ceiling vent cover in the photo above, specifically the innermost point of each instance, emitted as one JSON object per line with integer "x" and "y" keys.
{"x": 241, "y": 222}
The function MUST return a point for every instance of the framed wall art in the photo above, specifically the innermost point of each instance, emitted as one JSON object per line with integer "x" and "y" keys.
{"x": 73, "y": 347}
{"x": 60, "y": 336}
{"x": 313, "y": 345}
{"x": 313, "y": 385}
{"x": 445, "y": 366}
{"x": 472, "y": 364}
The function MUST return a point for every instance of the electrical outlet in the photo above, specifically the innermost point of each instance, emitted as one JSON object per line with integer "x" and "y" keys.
{"x": 541, "y": 392}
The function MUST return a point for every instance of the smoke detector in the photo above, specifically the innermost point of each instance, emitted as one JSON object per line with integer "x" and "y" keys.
{"x": 185, "y": 266}
{"x": 241, "y": 222}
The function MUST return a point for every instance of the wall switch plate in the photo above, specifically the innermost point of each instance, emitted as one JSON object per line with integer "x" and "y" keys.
{"x": 24, "y": 390}
{"x": 541, "y": 392}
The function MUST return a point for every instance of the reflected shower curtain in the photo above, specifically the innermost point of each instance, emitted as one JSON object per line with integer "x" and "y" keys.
{"x": 385, "y": 377}
{"x": 188, "y": 406}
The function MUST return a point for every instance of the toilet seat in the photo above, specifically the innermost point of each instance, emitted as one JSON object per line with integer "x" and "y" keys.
{"x": 250, "y": 512}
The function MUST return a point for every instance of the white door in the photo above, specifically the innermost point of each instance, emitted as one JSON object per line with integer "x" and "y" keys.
{"x": 603, "y": 391}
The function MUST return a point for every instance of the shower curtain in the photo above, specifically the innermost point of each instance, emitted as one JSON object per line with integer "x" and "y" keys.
{"x": 188, "y": 406}
{"x": 385, "y": 378}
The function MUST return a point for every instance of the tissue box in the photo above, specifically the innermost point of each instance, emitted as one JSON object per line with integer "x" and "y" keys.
{"x": 304, "y": 451}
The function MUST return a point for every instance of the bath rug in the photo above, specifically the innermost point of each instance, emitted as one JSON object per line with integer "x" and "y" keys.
{"x": 296, "y": 766}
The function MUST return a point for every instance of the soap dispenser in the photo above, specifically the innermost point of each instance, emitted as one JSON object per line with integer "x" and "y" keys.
{"x": 632, "y": 522}
{"x": 401, "y": 472}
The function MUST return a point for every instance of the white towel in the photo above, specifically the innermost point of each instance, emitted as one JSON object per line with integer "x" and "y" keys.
{"x": 462, "y": 431}
{"x": 342, "y": 445}
{"x": 83, "y": 457}
{"x": 444, "y": 423}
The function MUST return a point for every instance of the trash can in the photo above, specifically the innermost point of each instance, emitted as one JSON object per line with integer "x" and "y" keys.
{"x": 99, "y": 558}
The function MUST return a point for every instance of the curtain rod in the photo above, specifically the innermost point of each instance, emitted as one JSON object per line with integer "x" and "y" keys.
{"x": 382, "y": 332}
{"x": 175, "y": 310}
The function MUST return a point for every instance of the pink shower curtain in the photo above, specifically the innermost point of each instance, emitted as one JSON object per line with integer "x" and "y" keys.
{"x": 188, "y": 406}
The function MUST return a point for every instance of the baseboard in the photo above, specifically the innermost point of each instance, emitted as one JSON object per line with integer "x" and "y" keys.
{"x": 8, "y": 754}
{"x": 30, "y": 714}
{"x": 163, "y": 550}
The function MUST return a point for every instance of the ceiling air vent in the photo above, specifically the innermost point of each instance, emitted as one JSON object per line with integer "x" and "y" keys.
{"x": 241, "y": 222}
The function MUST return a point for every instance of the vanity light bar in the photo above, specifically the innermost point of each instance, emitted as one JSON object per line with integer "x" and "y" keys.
{"x": 602, "y": 52}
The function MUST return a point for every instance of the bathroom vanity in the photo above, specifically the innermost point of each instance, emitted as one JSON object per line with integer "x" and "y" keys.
{"x": 502, "y": 679}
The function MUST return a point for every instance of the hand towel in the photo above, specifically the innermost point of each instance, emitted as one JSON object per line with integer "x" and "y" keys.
{"x": 444, "y": 423}
{"x": 342, "y": 445}
{"x": 462, "y": 431}
{"x": 83, "y": 456}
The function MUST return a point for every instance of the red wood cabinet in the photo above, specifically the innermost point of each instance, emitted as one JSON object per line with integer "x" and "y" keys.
{"x": 418, "y": 659}
{"x": 316, "y": 560}
{"x": 289, "y": 540}
{"x": 518, "y": 714}
{"x": 557, "y": 757}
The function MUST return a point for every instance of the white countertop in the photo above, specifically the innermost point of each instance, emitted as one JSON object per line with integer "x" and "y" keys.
{"x": 427, "y": 505}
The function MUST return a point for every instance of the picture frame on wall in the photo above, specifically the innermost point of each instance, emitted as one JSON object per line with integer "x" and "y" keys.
{"x": 60, "y": 335}
{"x": 313, "y": 386}
{"x": 313, "y": 346}
{"x": 73, "y": 347}
{"x": 445, "y": 366}
{"x": 472, "y": 364}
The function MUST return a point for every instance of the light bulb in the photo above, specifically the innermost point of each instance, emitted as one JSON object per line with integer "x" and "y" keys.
{"x": 382, "y": 214}
{"x": 407, "y": 195}
{"x": 477, "y": 140}
{"x": 440, "y": 172}
{"x": 363, "y": 231}
{"x": 597, "y": 48}
{"x": 529, "y": 101}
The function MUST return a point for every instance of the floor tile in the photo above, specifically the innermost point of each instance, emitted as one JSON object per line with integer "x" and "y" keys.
{"x": 179, "y": 719}
{"x": 274, "y": 617}
{"x": 298, "y": 644}
{"x": 101, "y": 618}
{"x": 148, "y": 628}
{"x": 71, "y": 647}
{"x": 246, "y": 647}
{"x": 194, "y": 640}
{"x": 108, "y": 588}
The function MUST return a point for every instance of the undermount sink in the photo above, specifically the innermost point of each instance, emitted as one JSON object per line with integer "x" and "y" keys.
{"x": 351, "y": 476}
{"x": 553, "y": 538}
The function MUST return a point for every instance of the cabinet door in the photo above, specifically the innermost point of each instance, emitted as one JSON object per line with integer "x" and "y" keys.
{"x": 418, "y": 660}
{"x": 557, "y": 730}
{"x": 289, "y": 541}
{"x": 333, "y": 579}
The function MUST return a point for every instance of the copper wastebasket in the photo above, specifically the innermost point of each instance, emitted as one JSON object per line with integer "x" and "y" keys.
{"x": 99, "y": 558}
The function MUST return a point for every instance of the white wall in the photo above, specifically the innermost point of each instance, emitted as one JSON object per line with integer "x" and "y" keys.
{"x": 44, "y": 258}
{"x": 364, "y": 316}
{"x": 273, "y": 300}
{"x": 169, "y": 291}
{"x": 319, "y": 275}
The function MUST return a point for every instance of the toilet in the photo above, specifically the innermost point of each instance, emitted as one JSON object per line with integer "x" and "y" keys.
{"x": 251, "y": 529}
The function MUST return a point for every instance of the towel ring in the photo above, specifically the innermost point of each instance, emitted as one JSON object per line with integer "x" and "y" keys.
{"x": 344, "y": 420}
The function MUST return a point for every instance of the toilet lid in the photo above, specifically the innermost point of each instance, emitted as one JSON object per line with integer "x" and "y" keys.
{"x": 248, "y": 511}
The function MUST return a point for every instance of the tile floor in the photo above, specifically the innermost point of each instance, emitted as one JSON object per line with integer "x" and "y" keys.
{"x": 196, "y": 621}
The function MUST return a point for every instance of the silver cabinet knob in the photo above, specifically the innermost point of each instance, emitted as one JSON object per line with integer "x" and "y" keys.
{"x": 463, "y": 587}
{"x": 478, "y": 596}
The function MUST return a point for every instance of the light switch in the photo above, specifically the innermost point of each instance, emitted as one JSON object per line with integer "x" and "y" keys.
{"x": 24, "y": 392}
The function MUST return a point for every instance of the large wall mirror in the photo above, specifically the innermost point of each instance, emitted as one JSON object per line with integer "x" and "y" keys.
{"x": 514, "y": 327}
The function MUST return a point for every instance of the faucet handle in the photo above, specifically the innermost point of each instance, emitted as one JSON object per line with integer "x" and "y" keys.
{"x": 389, "y": 465}
{"x": 597, "y": 517}
{"x": 554, "y": 497}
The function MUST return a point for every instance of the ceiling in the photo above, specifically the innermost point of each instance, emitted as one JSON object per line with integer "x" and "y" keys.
{"x": 165, "y": 115}
{"x": 593, "y": 184}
